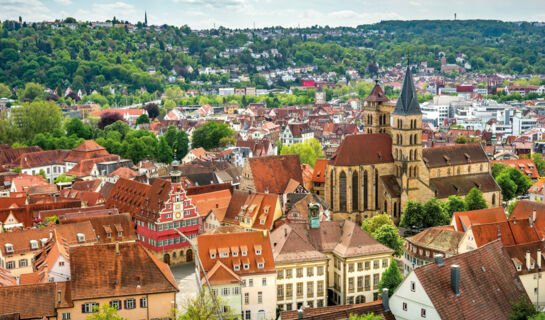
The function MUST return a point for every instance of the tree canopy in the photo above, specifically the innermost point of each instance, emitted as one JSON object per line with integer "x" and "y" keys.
{"x": 308, "y": 151}
{"x": 475, "y": 200}
{"x": 391, "y": 278}
{"x": 209, "y": 135}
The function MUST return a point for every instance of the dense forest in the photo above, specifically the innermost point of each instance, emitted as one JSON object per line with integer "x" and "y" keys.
{"x": 82, "y": 57}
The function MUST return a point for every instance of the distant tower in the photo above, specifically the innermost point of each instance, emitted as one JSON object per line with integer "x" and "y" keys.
{"x": 175, "y": 173}
{"x": 454, "y": 16}
{"x": 320, "y": 96}
{"x": 376, "y": 111}
{"x": 145, "y": 18}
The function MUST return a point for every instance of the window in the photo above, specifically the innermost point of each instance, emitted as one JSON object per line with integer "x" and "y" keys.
{"x": 248, "y": 315}
{"x": 264, "y": 281}
{"x": 299, "y": 272}
{"x": 260, "y": 265}
{"x": 61, "y": 263}
{"x": 351, "y": 284}
{"x": 81, "y": 237}
{"x": 289, "y": 290}
{"x": 280, "y": 274}
{"x": 288, "y": 273}
{"x": 360, "y": 266}
{"x": 350, "y": 267}
{"x": 88, "y": 307}
{"x": 404, "y": 306}
{"x": 10, "y": 265}
{"x": 33, "y": 244}
{"x": 236, "y": 267}
{"x": 243, "y": 283}
{"x": 413, "y": 286}
{"x": 66, "y": 316}
{"x": 299, "y": 289}
{"x": 23, "y": 263}
{"x": 9, "y": 248}
{"x": 376, "y": 264}
{"x": 236, "y": 291}
{"x": 260, "y": 297}
{"x": 247, "y": 298}
{"x": 116, "y": 304}
{"x": 367, "y": 265}
{"x": 246, "y": 266}
{"x": 310, "y": 289}
{"x": 320, "y": 270}
{"x": 310, "y": 271}
{"x": 320, "y": 288}
{"x": 385, "y": 263}
{"x": 226, "y": 291}
{"x": 251, "y": 282}
{"x": 376, "y": 278}
{"x": 360, "y": 283}
{"x": 423, "y": 313}
{"x": 130, "y": 304}
{"x": 280, "y": 292}
{"x": 143, "y": 302}
{"x": 320, "y": 303}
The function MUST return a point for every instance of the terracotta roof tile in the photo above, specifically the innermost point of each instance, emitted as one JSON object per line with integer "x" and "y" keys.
{"x": 454, "y": 155}
{"x": 377, "y": 146}
{"x": 340, "y": 312}
{"x": 30, "y": 301}
{"x": 97, "y": 271}
{"x": 118, "y": 222}
{"x": 272, "y": 173}
{"x": 319, "y": 170}
{"x": 438, "y": 239}
{"x": 488, "y": 283}
{"x": 461, "y": 185}
{"x": 526, "y": 166}
{"x": 463, "y": 220}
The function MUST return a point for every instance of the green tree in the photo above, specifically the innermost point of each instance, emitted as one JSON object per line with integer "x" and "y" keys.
{"x": 412, "y": 215}
{"x": 169, "y": 104}
{"x": 142, "y": 119}
{"x": 63, "y": 178}
{"x": 181, "y": 146}
{"x": 370, "y": 225}
{"x": 508, "y": 187}
{"x": 497, "y": 168}
{"x": 368, "y": 316}
{"x": 461, "y": 140}
{"x": 391, "y": 278}
{"x": 205, "y": 307}
{"x": 511, "y": 206}
{"x": 522, "y": 309}
{"x": 540, "y": 164}
{"x": 455, "y": 204}
{"x": 388, "y": 235}
{"x": 32, "y": 91}
{"x": 539, "y": 316}
{"x": 434, "y": 214}
{"x": 522, "y": 181}
{"x": 164, "y": 151}
{"x": 209, "y": 135}
{"x": 106, "y": 312}
{"x": 475, "y": 200}
{"x": 77, "y": 127}
{"x": 5, "y": 91}
{"x": 308, "y": 151}
{"x": 36, "y": 117}
{"x": 17, "y": 169}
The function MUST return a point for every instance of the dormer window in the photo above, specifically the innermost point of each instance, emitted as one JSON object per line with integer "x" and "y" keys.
{"x": 33, "y": 244}
{"x": 246, "y": 266}
{"x": 9, "y": 248}
{"x": 81, "y": 237}
{"x": 212, "y": 253}
{"x": 260, "y": 262}
{"x": 244, "y": 251}
{"x": 108, "y": 235}
{"x": 236, "y": 267}
{"x": 262, "y": 221}
{"x": 258, "y": 249}
{"x": 224, "y": 252}
{"x": 260, "y": 265}
{"x": 43, "y": 241}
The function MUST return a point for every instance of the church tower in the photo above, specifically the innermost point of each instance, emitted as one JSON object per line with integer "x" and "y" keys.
{"x": 407, "y": 137}
{"x": 376, "y": 111}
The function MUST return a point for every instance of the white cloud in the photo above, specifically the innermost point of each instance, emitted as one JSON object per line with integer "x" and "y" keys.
{"x": 29, "y": 10}
{"x": 415, "y": 3}
{"x": 64, "y": 2}
{"x": 104, "y": 11}
{"x": 212, "y": 3}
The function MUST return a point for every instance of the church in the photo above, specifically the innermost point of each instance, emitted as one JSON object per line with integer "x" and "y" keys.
{"x": 380, "y": 170}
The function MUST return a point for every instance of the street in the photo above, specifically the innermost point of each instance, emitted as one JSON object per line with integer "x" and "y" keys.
{"x": 184, "y": 274}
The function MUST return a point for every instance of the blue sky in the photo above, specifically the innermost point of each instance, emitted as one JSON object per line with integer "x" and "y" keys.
{"x": 201, "y": 14}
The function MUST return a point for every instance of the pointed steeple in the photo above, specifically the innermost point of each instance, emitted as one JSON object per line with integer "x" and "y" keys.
{"x": 407, "y": 103}
{"x": 145, "y": 18}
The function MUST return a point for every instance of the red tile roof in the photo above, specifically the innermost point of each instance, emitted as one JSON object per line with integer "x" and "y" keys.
{"x": 216, "y": 201}
{"x": 40, "y": 158}
{"x": 526, "y": 166}
{"x": 116, "y": 223}
{"x": 341, "y": 312}
{"x": 454, "y": 155}
{"x": 124, "y": 172}
{"x": 34, "y": 301}
{"x": 97, "y": 271}
{"x": 376, "y": 95}
{"x": 88, "y": 149}
{"x": 465, "y": 219}
{"x": 272, "y": 173}
{"x": 319, "y": 170}
{"x": 377, "y": 146}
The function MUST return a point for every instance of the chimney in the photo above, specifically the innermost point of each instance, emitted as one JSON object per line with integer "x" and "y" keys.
{"x": 539, "y": 258}
{"x": 528, "y": 259}
{"x": 117, "y": 248}
{"x": 385, "y": 298}
{"x": 438, "y": 259}
{"x": 534, "y": 215}
{"x": 455, "y": 279}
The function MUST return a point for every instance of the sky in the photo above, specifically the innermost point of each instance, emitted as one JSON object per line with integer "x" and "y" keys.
{"x": 205, "y": 14}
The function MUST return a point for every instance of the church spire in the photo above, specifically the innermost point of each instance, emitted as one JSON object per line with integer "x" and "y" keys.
{"x": 407, "y": 103}
{"x": 145, "y": 18}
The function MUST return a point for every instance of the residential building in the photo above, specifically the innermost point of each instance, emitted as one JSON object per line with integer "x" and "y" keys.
{"x": 271, "y": 174}
{"x": 318, "y": 177}
{"x": 253, "y": 211}
{"x": 296, "y": 133}
{"x": 480, "y": 284}
{"x": 240, "y": 265}
{"x": 528, "y": 260}
{"x": 160, "y": 211}
{"x": 422, "y": 247}
{"x": 526, "y": 166}
{"x": 377, "y": 308}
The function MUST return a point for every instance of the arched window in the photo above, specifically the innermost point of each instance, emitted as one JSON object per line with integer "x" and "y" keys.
{"x": 493, "y": 199}
{"x": 365, "y": 192}
{"x": 355, "y": 191}
{"x": 376, "y": 188}
{"x": 401, "y": 139}
{"x": 411, "y": 139}
{"x": 395, "y": 209}
{"x": 416, "y": 171}
{"x": 331, "y": 193}
{"x": 385, "y": 206}
{"x": 342, "y": 192}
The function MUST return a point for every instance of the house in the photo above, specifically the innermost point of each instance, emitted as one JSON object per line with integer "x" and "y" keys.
{"x": 537, "y": 192}
{"x": 318, "y": 177}
{"x": 194, "y": 154}
{"x": 528, "y": 261}
{"x": 34, "y": 301}
{"x": 108, "y": 228}
{"x": 462, "y": 221}
{"x": 122, "y": 172}
{"x": 296, "y": 133}
{"x": 422, "y": 247}
{"x": 270, "y": 174}
{"x": 17, "y": 248}
{"x": 129, "y": 115}
{"x": 160, "y": 211}
{"x": 480, "y": 284}
{"x": 253, "y": 211}
{"x": 212, "y": 207}
{"x": 241, "y": 270}
{"x": 125, "y": 275}
{"x": 355, "y": 261}
{"x": 377, "y": 308}
{"x": 526, "y": 166}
